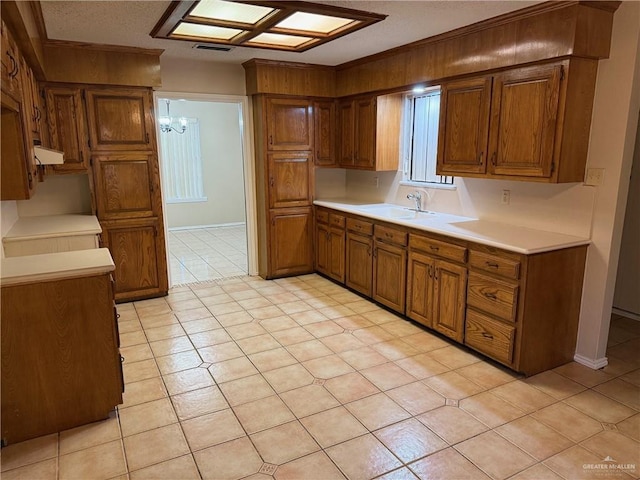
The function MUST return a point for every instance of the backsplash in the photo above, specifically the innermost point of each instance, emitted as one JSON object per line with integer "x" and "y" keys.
{"x": 58, "y": 195}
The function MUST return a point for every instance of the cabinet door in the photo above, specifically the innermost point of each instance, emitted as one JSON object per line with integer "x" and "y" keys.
{"x": 324, "y": 115}
{"x": 16, "y": 168}
{"x": 420, "y": 288}
{"x": 289, "y": 124}
{"x": 359, "y": 263}
{"x": 67, "y": 130}
{"x": 126, "y": 185}
{"x": 137, "y": 248}
{"x": 365, "y": 132}
{"x": 524, "y": 114}
{"x": 289, "y": 179}
{"x": 120, "y": 119}
{"x": 10, "y": 73}
{"x": 346, "y": 133}
{"x": 291, "y": 244}
{"x": 450, "y": 284}
{"x": 389, "y": 275}
{"x": 464, "y": 126}
{"x": 336, "y": 254}
{"x": 322, "y": 248}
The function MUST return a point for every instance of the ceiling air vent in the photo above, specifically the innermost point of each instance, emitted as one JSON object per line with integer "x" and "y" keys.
{"x": 217, "y": 48}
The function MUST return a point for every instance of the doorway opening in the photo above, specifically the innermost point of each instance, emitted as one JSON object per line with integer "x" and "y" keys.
{"x": 206, "y": 169}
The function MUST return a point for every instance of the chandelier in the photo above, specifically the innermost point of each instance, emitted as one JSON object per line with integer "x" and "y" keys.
{"x": 166, "y": 122}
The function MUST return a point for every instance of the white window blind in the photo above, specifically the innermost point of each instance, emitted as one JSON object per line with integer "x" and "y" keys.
{"x": 182, "y": 164}
{"x": 421, "y": 128}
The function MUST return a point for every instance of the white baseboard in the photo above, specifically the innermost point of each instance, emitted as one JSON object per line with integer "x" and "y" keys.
{"x": 624, "y": 313}
{"x": 596, "y": 364}
{"x": 195, "y": 227}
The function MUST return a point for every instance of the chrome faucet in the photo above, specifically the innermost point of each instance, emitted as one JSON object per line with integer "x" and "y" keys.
{"x": 417, "y": 198}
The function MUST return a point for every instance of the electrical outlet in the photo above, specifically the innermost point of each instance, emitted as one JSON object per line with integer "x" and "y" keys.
{"x": 506, "y": 197}
{"x": 594, "y": 177}
{"x": 376, "y": 182}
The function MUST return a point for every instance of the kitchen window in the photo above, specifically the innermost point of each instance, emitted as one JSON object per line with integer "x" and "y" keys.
{"x": 420, "y": 127}
{"x": 182, "y": 164}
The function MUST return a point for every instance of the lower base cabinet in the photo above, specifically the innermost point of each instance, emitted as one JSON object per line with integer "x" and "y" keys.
{"x": 520, "y": 310}
{"x": 137, "y": 249}
{"x": 61, "y": 365}
{"x": 291, "y": 234}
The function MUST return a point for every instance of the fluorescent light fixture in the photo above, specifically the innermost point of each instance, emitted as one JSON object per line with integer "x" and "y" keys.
{"x": 313, "y": 22}
{"x": 230, "y": 11}
{"x": 419, "y": 89}
{"x": 279, "y": 40}
{"x": 206, "y": 31}
{"x": 275, "y": 25}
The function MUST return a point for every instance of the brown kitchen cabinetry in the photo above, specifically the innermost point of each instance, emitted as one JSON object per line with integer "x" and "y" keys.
{"x": 369, "y": 132}
{"x": 291, "y": 241}
{"x": 120, "y": 119}
{"x": 330, "y": 245}
{"x": 390, "y": 267}
{"x": 289, "y": 179}
{"x": 126, "y": 185}
{"x": 289, "y": 124}
{"x": 359, "y": 256}
{"x": 67, "y": 128}
{"x": 528, "y": 123}
{"x": 324, "y": 117}
{"x": 10, "y": 60}
{"x": 137, "y": 247}
{"x": 284, "y": 179}
{"x": 61, "y": 365}
{"x": 436, "y": 287}
{"x": 17, "y": 176}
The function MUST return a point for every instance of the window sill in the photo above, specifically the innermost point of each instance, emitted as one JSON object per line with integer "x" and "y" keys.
{"x": 187, "y": 200}
{"x": 440, "y": 186}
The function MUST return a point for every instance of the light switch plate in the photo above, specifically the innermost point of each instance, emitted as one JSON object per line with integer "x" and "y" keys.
{"x": 594, "y": 177}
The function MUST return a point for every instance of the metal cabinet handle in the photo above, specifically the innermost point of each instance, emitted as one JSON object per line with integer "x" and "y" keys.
{"x": 491, "y": 295}
{"x": 493, "y": 159}
{"x": 492, "y": 264}
{"x": 434, "y": 248}
{"x": 481, "y": 158}
{"x": 487, "y": 335}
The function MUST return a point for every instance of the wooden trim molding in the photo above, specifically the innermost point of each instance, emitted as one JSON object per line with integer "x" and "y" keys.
{"x": 99, "y": 47}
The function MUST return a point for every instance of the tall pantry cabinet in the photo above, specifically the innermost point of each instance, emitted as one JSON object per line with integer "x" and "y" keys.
{"x": 284, "y": 129}
{"x": 122, "y": 162}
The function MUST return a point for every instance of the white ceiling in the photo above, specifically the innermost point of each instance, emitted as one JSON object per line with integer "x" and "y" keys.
{"x": 129, "y": 23}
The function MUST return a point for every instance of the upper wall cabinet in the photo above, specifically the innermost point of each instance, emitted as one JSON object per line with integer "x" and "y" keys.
{"x": 529, "y": 123}
{"x": 120, "y": 119}
{"x": 324, "y": 117}
{"x": 289, "y": 124}
{"x": 67, "y": 127}
{"x": 369, "y": 132}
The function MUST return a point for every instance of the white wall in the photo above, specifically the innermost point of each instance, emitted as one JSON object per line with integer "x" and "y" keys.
{"x": 626, "y": 297}
{"x": 182, "y": 75}
{"x": 222, "y": 167}
{"x": 58, "y": 195}
{"x": 573, "y": 209}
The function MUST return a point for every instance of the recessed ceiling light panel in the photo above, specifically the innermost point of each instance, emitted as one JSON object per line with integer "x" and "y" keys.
{"x": 312, "y": 22}
{"x": 277, "y": 25}
{"x": 206, "y": 31}
{"x": 230, "y": 11}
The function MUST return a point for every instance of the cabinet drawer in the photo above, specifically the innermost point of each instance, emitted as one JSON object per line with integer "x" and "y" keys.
{"x": 491, "y": 263}
{"x": 436, "y": 247}
{"x": 360, "y": 226}
{"x": 491, "y": 337}
{"x": 390, "y": 235}
{"x": 322, "y": 216}
{"x": 336, "y": 220}
{"x": 492, "y": 296}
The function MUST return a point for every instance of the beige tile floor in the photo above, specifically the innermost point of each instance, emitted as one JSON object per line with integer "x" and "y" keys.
{"x": 301, "y": 379}
{"x": 203, "y": 254}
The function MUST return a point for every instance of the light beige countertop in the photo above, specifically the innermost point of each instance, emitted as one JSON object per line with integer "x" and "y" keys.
{"x": 55, "y": 266}
{"x": 508, "y": 237}
{"x": 52, "y": 226}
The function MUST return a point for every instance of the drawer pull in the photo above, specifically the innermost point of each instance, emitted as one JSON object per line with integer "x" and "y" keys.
{"x": 492, "y": 264}
{"x": 487, "y": 335}
{"x": 387, "y": 234}
{"x": 434, "y": 248}
{"x": 491, "y": 295}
